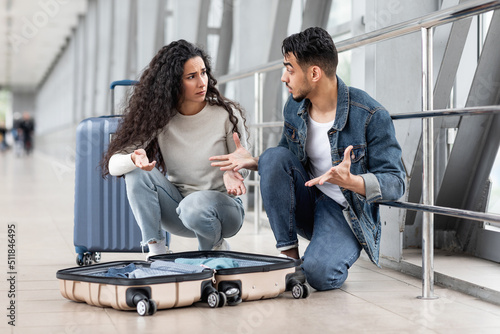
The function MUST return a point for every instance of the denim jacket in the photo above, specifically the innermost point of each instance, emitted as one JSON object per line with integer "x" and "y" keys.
{"x": 376, "y": 156}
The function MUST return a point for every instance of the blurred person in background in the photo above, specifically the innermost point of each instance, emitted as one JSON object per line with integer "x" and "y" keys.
{"x": 25, "y": 129}
{"x": 3, "y": 136}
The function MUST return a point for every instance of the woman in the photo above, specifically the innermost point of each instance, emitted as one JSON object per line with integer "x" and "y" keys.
{"x": 174, "y": 121}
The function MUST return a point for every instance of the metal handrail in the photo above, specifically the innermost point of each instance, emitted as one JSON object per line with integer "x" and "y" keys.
{"x": 447, "y": 15}
{"x": 471, "y": 111}
{"x": 441, "y": 210}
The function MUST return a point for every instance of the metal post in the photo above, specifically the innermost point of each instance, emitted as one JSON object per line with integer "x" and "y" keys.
{"x": 428, "y": 167}
{"x": 112, "y": 101}
{"x": 258, "y": 146}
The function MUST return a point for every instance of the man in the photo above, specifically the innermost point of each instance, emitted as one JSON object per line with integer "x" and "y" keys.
{"x": 338, "y": 155}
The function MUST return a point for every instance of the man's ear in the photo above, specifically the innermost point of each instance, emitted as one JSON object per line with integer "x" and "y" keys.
{"x": 316, "y": 73}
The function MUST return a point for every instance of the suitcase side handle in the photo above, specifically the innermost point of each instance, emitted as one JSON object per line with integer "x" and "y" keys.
{"x": 123, "y": 83}
{"x": 119, "y": 83}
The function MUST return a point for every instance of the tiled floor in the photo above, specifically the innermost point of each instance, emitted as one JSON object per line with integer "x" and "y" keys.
{"x": 37, "y": 197}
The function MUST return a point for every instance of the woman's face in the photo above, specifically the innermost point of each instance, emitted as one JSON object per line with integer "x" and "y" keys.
{"x": 194, "y": 82}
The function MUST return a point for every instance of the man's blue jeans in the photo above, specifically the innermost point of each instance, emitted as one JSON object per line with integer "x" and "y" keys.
{"x": 293, "y": 208}
{"x": 157, "y": 204}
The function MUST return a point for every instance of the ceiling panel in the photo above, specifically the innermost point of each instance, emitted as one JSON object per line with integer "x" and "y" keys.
{"x": 32, "y": 34}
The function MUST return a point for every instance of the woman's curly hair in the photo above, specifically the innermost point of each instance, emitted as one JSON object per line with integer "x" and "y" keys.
{"x": 154, "y": 102}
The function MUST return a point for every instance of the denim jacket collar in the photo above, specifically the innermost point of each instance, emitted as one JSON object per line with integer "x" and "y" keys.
{"x": 342, "y": 105}
{"x": 342, "y": 112}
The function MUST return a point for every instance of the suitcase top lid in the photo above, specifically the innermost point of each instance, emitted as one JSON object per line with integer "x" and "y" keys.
{"x": 116, "y": 273}
{"x": 245, "y": 262}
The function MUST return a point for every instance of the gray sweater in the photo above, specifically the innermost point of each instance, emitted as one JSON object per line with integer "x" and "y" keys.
{"x": 186, "y": 143}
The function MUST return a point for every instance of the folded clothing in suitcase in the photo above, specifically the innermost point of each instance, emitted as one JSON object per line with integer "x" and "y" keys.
{"x": 144, "y": 286}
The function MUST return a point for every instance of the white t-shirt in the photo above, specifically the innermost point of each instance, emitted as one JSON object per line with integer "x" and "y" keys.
{"x": 320, "y": 158}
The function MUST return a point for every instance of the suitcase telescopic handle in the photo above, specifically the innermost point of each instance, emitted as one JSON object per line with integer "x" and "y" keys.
{"x": 119, "y": 83}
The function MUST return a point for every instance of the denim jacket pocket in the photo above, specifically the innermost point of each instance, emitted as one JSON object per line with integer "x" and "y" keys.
{"x": 358, "y": 160}
{"x": 358, "y": 154}
{"x": 291, "y": 133}
{"x": 293, "y": 140}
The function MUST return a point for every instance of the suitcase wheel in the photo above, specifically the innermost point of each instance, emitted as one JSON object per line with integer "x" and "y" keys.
{"x": 140, "y": 299}
{"x": 232, "y": 291}
{"x": 233, "y": 296}
{"x": 213, "y": 299}
{"x": 96, "y": 257}
{"x": 300, "y": 290}
{"x": 79, "y": 259}
{"x": 146, "y": 307}
{"x": 216, "y": 299}
{"x": 222, "y": 300}
{"x": 86, "y": 259}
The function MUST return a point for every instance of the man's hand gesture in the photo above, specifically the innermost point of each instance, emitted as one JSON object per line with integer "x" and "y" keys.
{"x": 341, "y": 176}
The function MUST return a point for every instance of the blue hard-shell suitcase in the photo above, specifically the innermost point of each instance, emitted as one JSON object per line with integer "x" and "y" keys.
{"x": 103, "y": 219}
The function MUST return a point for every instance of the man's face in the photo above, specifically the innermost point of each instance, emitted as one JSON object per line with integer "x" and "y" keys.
{"x": 295, "y": 79}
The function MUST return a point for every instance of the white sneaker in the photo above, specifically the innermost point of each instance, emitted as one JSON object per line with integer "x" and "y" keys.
{"x": 285, "y": 256}
{"x": 289, "y": 258}
{"x": 224, "y": 246}
{"x": 158, "y": 248}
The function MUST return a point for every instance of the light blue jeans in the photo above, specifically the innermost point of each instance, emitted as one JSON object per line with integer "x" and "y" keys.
{"x": 157, "y": 204}
{"x": 294, "y": 209}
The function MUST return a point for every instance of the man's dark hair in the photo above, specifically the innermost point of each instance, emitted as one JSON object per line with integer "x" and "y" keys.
{"x": 313, "y": 46}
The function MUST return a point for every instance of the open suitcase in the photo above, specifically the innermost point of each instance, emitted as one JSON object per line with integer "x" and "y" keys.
{"x": 188, "y": 277}
{"x": 103, "y": 219}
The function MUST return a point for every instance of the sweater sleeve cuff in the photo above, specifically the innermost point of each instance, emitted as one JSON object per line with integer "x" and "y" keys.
{"x": 120, "y": 164}
{"x": 372, "y": 187}
{"x": 244, "y": 172}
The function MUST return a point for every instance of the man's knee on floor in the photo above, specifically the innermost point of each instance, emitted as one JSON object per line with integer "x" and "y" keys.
{"x": 324, "y": 276}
